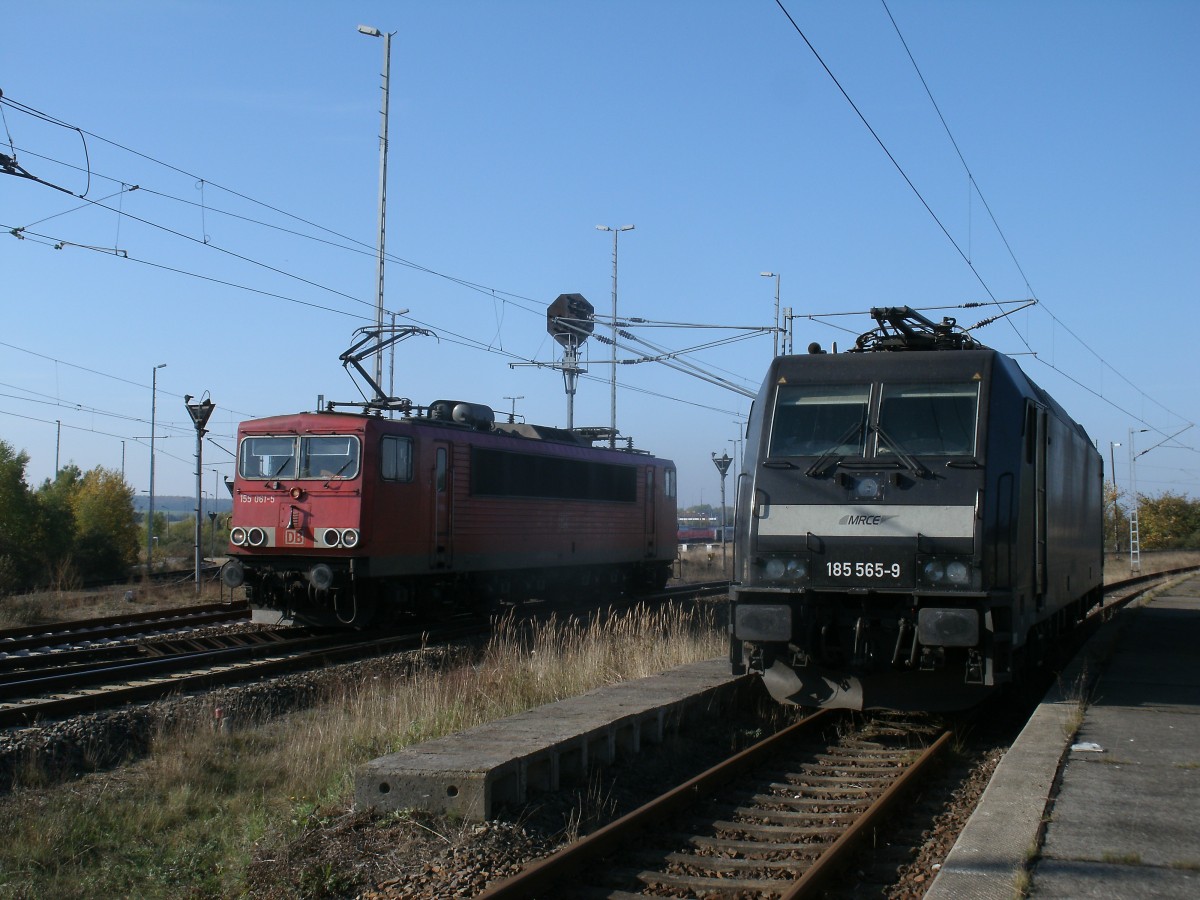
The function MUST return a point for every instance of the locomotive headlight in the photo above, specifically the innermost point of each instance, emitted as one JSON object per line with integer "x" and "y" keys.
{"x": 320, "y": 576}
{"x": 948, "y": 573}
{"x": 957, "y": 573}
{"x": 331, "y": 538}
{"x": 350, "y": 537}
{"x": 233, "y": 574}
{"x": 784, "y": 569}
{"x": 866, "y": 489}
{"x": 238, "y": 536}
{"x": 256, "y": 537}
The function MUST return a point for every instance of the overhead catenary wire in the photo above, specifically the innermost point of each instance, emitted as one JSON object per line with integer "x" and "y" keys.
{"x": 945, "y": 231}
{"x": 501, "y": 297}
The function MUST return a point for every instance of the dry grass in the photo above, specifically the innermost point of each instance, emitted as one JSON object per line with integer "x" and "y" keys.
{"x": 188, "y": 820}
{"x": 1116, "y": 566}
{"x": 70, "y": 603}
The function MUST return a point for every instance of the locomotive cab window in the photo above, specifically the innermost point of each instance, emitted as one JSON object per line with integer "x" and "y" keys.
{"x": 928, "y": 419}
{"x": 329, "y": 457}
{"x": 396, "y": 458}
{"x": 812, "y": 420}
{"x": 267, "y": 457}
{"x": 285, "y": 456}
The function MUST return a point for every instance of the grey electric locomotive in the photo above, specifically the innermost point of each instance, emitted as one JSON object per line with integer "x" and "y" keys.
{"x": 915, "y": 519}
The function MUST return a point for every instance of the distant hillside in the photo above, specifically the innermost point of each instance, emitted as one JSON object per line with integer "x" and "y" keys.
{"x": 182, "y": 505}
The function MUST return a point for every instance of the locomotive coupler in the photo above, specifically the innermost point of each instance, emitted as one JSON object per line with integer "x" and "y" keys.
{"x": 974, "y": 674}
{"x": 861, "y": 651}
{"x": 900, "y": 654}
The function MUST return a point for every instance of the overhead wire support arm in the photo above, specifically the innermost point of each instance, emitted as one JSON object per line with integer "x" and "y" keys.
{"x": 10, "y": 166}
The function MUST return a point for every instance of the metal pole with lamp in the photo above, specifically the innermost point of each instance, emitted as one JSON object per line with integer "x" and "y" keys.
{"x": 150, "y": 514}
{"x": 612, "y": 438}
{"x": 371, "y": 31}
{"x": 775, "y": 333}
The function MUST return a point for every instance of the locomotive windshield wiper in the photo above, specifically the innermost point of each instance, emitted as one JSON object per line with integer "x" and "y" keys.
{"x": 338, "y": 473}
{"x": 822, "y": 461}
{"x": 910, "y": 462}
{"x": 778, "y": 464}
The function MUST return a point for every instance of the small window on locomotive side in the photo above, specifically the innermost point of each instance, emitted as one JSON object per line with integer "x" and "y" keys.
{"x": 501, "y": 473}
{"x": 669, "y": 478}
{"x": 267, "y": 457}
{"x": 811, "y": 420}
{"x": 328, "y": 456}
{"x": 928, "y": 419}
{"x": 396, "y": 458}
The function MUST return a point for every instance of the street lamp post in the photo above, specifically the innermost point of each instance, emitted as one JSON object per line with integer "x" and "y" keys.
{"x": 612, "y": 439}
{"x": 1112, "y": 459}
{"x": 775, "y": 333}
{"x": 371, "y": 31}
{"x": 150, "y": 515}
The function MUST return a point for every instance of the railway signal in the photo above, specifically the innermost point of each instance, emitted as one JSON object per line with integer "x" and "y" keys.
{"x": 199, "y": 413}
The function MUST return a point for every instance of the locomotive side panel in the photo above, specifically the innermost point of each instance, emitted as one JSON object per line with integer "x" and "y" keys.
{"x": 348, "y": 518}
{"x": 515, "y": 508}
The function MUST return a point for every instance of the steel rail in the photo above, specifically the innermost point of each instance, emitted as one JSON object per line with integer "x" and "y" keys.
{"x": 829, "y": 863}
{"x": 19, "y": 639}
{"x": 542, "y": 874}
{"x": 234, "y": 671}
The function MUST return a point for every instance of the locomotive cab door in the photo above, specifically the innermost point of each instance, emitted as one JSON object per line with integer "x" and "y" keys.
{"x": 441, "y": 484}
{"x": 1036, "y": 424}
{"x": 651, "y": 510}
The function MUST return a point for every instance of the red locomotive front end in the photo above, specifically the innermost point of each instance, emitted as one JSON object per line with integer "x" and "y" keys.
{"x": 297, "y": 524}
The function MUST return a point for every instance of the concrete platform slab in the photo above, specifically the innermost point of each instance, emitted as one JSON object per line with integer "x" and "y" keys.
{"x": 1084, "y": 881}
{"x": 471, "y": 772}
{"x": 1125, "y": 822}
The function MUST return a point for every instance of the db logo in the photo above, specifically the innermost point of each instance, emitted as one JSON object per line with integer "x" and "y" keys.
{"x": 293, "y": 537}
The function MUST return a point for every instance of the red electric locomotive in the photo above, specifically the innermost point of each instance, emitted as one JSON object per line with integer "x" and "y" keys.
{"x": 352, "y": 518}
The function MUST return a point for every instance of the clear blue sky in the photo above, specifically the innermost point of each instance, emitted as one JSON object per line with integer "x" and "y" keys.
{"x": 516, "y": 128}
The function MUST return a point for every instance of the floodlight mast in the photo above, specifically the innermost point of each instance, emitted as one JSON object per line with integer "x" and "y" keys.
{"x": 372, "y": 31}
{"x": 612, "y": 439}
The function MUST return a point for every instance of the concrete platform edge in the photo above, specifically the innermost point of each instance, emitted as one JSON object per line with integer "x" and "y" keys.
{"x": 470, "y": 772}
{"x": 990, "y": 858}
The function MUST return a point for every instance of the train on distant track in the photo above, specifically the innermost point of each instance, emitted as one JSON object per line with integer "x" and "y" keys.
{"x": 916, "y": 521}
{"x": 357, "y": 518}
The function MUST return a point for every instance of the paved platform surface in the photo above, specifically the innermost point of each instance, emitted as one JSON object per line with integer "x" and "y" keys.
{"x": 1125, "y": 820}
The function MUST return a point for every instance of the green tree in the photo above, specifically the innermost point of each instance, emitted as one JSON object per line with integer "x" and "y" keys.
{"x": 56, "y": 520}
{"x": 1116, "y": 520}
{"x": 1168, "y": 522}
{"x": 107, "y": 533}
{"x": 17, "y": 519}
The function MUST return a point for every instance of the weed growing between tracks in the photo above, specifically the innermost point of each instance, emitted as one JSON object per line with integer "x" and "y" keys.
{"x": 211, "y": 802}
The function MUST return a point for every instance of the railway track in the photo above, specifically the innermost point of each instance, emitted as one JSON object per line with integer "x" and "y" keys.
{"x": 776, "y": 820}
{"x": 88, "y": 666}
{"x": 90, "y": 687}
{"x": 21, "y": 642}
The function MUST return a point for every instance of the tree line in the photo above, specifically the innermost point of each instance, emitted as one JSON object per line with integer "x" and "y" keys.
{"x": 82, "y": 527}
